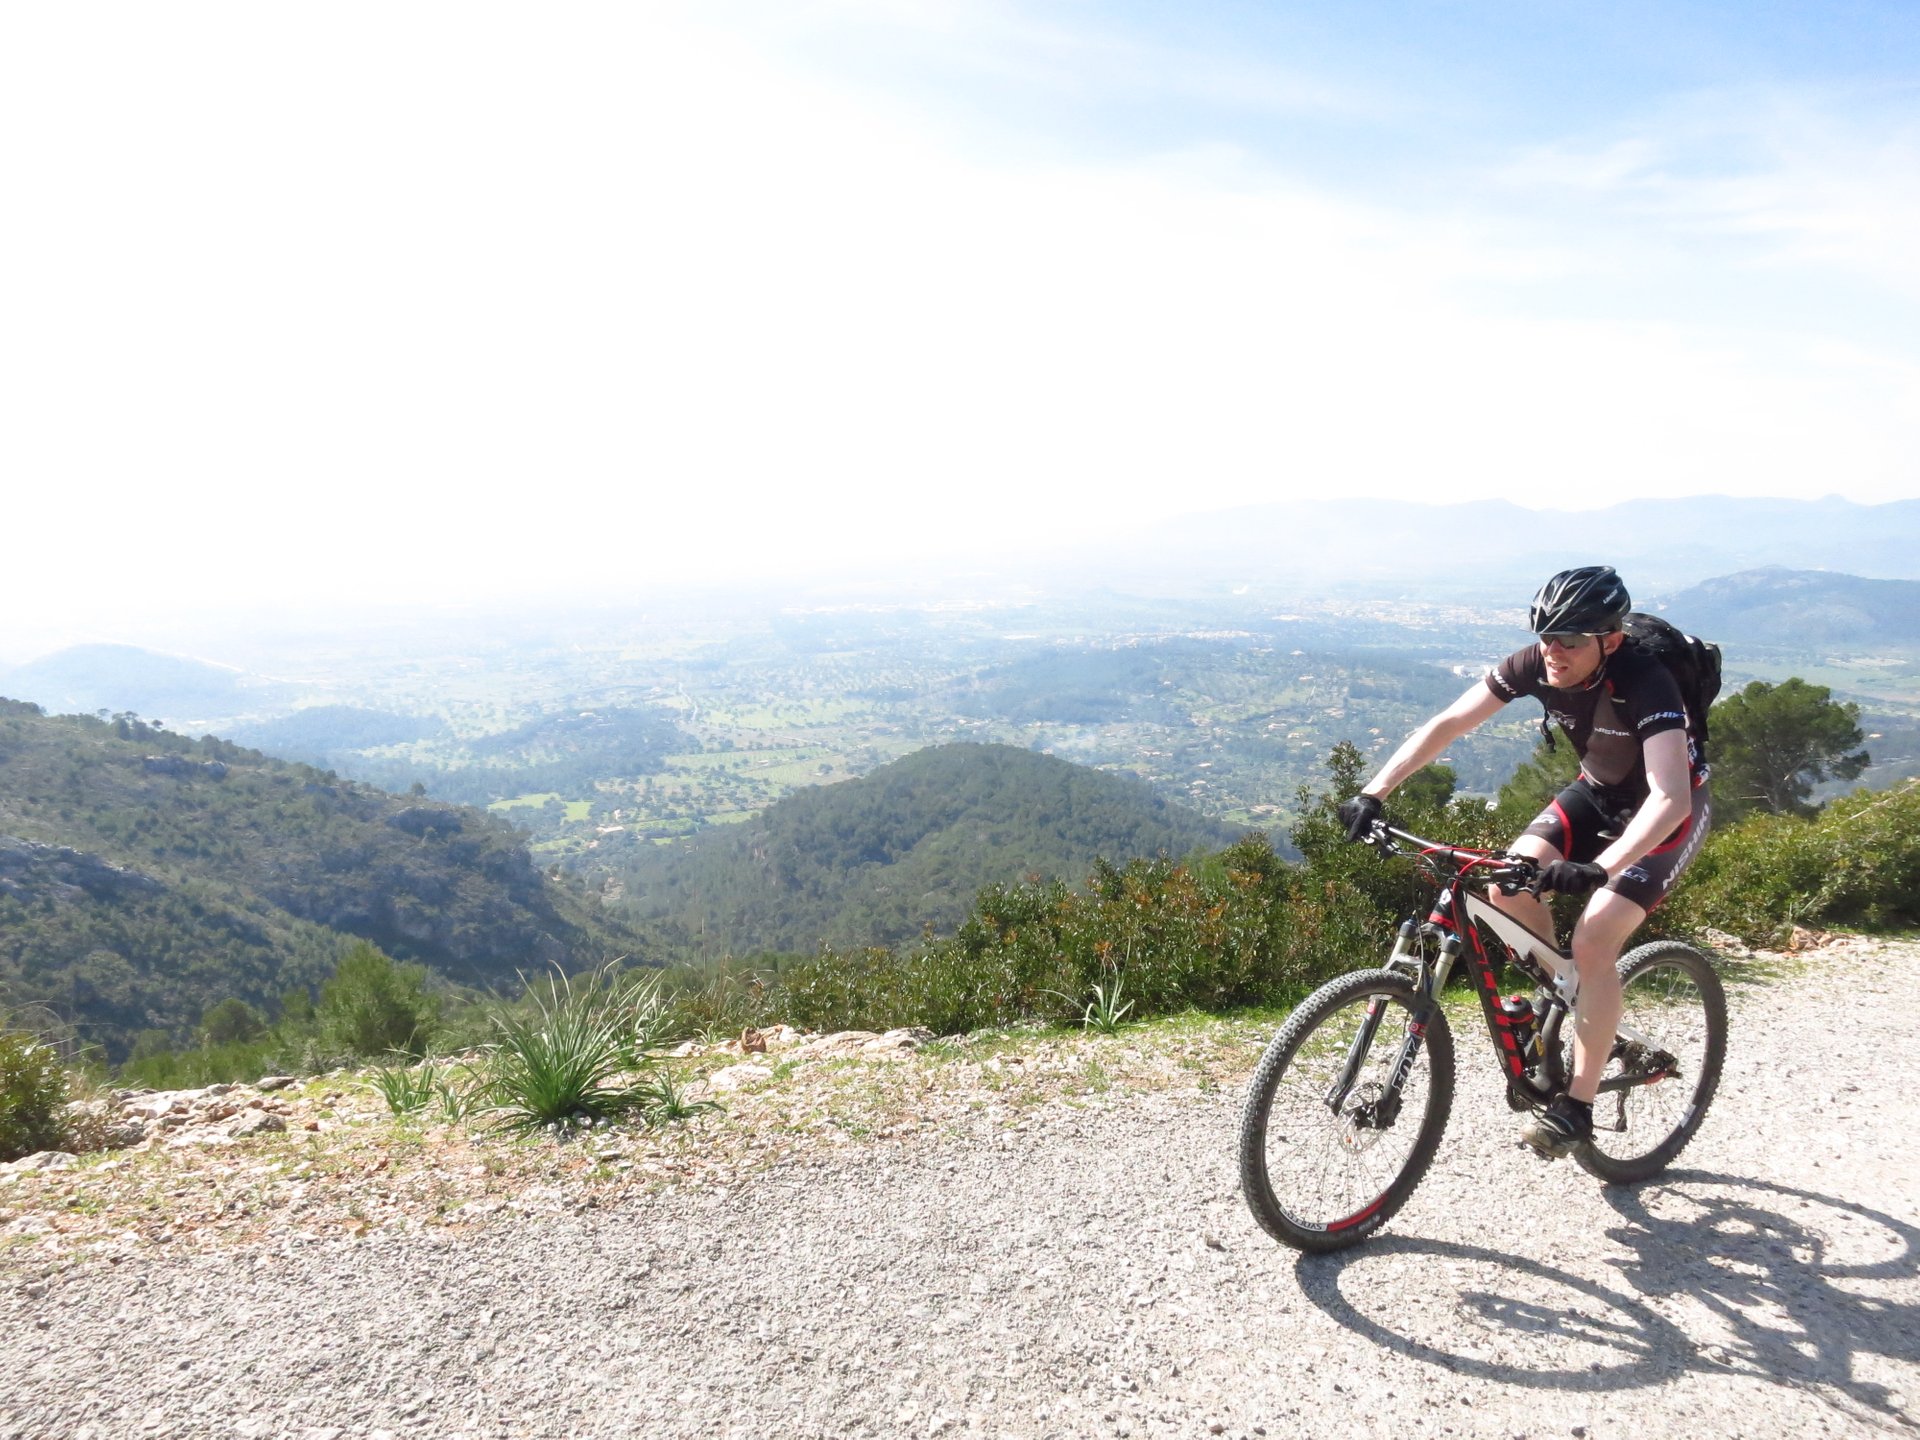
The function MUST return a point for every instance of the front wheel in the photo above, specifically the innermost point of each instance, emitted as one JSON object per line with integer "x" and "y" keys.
{"x": 1654, "y": 1095}
{"x": 1329, "y": 1149}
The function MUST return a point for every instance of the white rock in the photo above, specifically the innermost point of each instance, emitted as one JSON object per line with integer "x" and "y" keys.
{"x": 739, "y": 1077}
{"x": 1723, "y": 942}
{"x": 273, "y": 1082}
{"x": 848, "y": 1037}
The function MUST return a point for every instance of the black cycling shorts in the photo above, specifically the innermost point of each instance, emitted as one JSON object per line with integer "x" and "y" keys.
{"x": 1582, "y": 820}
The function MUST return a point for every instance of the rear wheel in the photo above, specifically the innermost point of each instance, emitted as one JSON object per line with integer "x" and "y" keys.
{"x": 1320, "y": 1176}
{"x": 1653, "y": 1096}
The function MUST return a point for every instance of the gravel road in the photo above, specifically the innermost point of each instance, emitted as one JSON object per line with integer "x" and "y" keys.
{"x": 1095, "y": 1274}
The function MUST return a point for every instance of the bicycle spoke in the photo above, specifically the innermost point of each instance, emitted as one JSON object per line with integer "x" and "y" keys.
{"x": 1325, "y": 1167}
{"x": 1655, "y": 1091}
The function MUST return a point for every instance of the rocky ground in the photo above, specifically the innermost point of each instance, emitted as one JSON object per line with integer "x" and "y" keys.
{"x": 1035, "y": 1235}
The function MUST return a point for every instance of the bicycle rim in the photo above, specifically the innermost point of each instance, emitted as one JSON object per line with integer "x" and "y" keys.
{"x": 1318, "y": 1178}
{"x": 1670, "y": 995}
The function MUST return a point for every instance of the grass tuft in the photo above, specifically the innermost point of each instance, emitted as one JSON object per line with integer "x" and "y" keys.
{"x": 407, "y": 1089}
{"x": 1106, "y": 1012}
{"x": 567, "y": 1057}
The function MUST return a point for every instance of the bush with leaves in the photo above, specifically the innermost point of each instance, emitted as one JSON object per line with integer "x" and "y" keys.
{"x": 229, "y": 1022}
{"x": 33, "y": 1088}
{"x": 1855, "y": 863}
{"x": 1242, "y": 926}
{"x": 1541, "y": 777}
{"x": 373, "y": 1005}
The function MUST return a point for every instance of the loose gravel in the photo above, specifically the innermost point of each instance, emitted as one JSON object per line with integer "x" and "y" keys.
{"x": 1094, "y": 1273}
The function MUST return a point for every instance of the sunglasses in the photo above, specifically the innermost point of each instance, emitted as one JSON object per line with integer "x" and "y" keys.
{"x": 1574, "y": 640}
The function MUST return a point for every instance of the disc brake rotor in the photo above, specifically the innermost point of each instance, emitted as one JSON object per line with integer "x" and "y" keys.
{"x": 1364, "y": 1125}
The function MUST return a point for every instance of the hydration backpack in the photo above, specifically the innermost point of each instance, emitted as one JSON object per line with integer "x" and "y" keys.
{"x": 1694, "y": 664}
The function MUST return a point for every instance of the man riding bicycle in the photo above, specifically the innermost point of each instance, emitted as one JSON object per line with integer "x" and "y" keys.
{"x": 1623, "y": 831}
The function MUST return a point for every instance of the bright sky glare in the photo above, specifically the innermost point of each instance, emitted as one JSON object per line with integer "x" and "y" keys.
{"x": 417, "y": 301}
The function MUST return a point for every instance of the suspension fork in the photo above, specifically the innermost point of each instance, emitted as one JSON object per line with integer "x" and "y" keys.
{"x": 1427, "y": 985}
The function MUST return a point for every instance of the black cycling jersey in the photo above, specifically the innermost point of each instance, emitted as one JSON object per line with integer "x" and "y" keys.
{"x": 1608, "y": 721}
{"x": 1609, "y": 718}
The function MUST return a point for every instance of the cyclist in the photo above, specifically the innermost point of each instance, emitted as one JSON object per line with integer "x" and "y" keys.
{"x": 1622, "y": 831}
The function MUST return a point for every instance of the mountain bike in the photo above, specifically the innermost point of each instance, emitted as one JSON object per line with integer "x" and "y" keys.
{"x": 1347, "y": 1106}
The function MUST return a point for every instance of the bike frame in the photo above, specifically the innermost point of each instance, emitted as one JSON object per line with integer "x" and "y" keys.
{"x": 1426, "y": 952}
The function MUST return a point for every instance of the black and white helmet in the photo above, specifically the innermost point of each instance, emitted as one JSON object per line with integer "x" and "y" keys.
{"x": 1588, "y": 601}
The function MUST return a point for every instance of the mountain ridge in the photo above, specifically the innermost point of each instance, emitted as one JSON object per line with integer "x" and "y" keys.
{"x": 875, "y": 859}
{"x": 1777, "y": 606}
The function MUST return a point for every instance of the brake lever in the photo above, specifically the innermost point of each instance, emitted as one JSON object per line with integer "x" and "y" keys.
{"x": 1514, "y": 885}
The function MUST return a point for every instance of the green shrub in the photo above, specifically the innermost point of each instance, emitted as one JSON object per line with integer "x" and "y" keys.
{"x": 1235, "y": 928}
{"x": 241, "y": 1060}
{"x": 373, "y": 1006}
{"x": 33, "y": 1087}
{"x": 230, "y": 1022}
{"x": 713, "y": 1000}
{"x": 1212, "y": 936}
{"x": 1855, "y": 863}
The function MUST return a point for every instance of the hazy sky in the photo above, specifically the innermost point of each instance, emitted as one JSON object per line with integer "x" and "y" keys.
{"x": 396, "y": 301}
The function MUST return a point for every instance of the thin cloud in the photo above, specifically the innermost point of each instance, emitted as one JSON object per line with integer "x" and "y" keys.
{"x": 496, "y": 304}
{"x": 1810, "y": 178}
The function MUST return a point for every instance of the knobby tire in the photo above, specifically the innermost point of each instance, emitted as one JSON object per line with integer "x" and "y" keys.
{"x": 1277, "y": 1170}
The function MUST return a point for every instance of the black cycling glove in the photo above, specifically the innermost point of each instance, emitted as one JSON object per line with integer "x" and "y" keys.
{"x": 1572, "y": 877}
{"x": 1358, "y": 815}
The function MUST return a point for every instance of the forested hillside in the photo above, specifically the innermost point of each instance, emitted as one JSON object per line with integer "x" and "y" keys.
{"x": 1802, "y": 609}
{"x": 144, "y": 876}
{"x": 565, "y": 753}
{"x": 873, "y": 860}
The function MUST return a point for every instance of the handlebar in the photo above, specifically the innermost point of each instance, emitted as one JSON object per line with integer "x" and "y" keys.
{"x": 1509, "y": 873}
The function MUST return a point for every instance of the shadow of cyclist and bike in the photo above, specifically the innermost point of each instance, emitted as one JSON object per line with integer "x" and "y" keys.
{"x": 1721, "y": 1274}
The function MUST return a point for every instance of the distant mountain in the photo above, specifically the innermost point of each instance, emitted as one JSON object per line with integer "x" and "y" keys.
{"x": 145, "y": 876}
{"x": 182, "y": 692}
{"x": 873, "y": 860}
{"x": 1800, "y": 609}
{"x": 1491, "y": 548}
